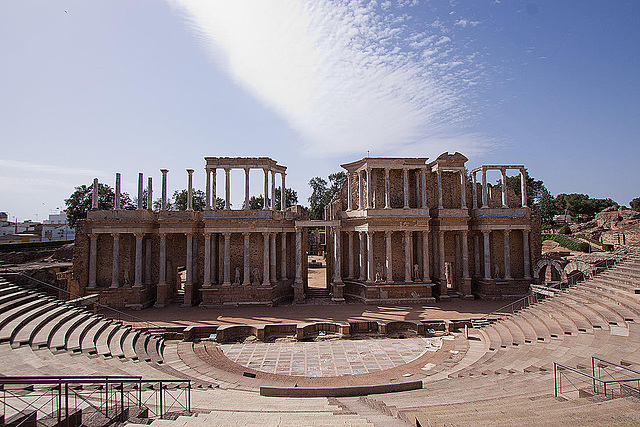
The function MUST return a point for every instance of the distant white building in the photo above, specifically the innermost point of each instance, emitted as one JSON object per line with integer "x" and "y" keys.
{"x": 56, "y": 228}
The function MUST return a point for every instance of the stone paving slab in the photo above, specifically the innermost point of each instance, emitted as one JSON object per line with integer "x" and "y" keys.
{"x": 329, "y": 358}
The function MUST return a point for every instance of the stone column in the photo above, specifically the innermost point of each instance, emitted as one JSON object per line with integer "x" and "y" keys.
{"x": 405, "y": 175}
{"x": 504, "y": 188}
{"x": 487, "y": 254}
{"x": 214, "y": 259}
{"x": 116, "y": 202}
{"x": 476, "y": 255}
{"x": 207, "y": 259}
{"x": 423, "y": 175}
{"x": 418, "y": 189}
{"x": 298, "y": 284}
{"x": 440, "y": 204}
{"x": 283, "y": 258}
{"x": 93, "y": 258}
{"x": 273, "y": 267}
{"x": 246, "y": 188}
{"x": 265, "y": 204}
{"x": 485, "y": 201}
{"x": 150, "y": 194}
{"x": 214, "y": 195}
{"x": 348, "y": 191}
{"x": 226, "y": 280}
{"x": 369, "y": 189}
{"x": 474, "y": 191}
{"x": 387, "y": 190}
{"x": 388, "y": 256}
{"x": 463, "y": 189}
{"x": 350, "y": 254}
{"x": 147, "y": 261}
{"x": 273, "y": 192}
{"x": 137, "y": 282}
{"x": 408, "y": 264}
{"x": 442, "y": 269}
{"x": 523, "y": 187}
{"x": 507, "y": 256}
{"x": 298, "y": 279}
{"x": 115, "y": 270}
{"x": 94, "y": 195}
{"x": 246, "y": 280}
{"x": 283, "y": 197}
{"x": 265, "y": 260}
{"x": 370, "y": 260}
{"x": 337, "y": 262}
{"x": 189, "y": 189}
{"x": 465, "y": 264}
{"x": 360, "y": 191}
{"x": 189, "y": 262}
{"x": 207, "y": 182}
{"x": 164, "y": 189}
{"x": 526, "y": 253}
{"x": 426, "y": 274}
{"x": 161, "y": 289}
{"x": 227, "y": 188}
{"x": 140, "y": 190}
{"x": 361, "y": 240}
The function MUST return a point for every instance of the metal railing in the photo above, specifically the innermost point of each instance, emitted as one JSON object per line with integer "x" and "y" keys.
{"x": 103, "y": 399}
{"x": 512, "y": 307}
{"x": 581, "y": 382}
{"x": 116, "y": 314}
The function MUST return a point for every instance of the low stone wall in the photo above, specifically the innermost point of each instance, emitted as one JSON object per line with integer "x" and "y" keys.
{"x": 339, "y": 391}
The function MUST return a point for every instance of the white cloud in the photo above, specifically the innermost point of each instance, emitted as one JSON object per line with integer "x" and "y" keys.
{"x": 345, "y": 76}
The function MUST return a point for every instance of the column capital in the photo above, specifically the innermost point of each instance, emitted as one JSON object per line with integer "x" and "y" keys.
{"x": 207, "y": 235}
{"x": 93, "y": 236}
{"x": 139, "y": 235}
{"x": 227, "y": 235}
{"x": 246, "y": 235}
{"x": 164, "y": 171}
{"x": 162, "y": 235}
{"x": 407, "y": 232}
{"x": 189, "y": 234}
{"x": 387, "y": 232}
{"x": 115, "y": 235}
{"x": 189, "y": 171}
{"x": 266, "y": 234}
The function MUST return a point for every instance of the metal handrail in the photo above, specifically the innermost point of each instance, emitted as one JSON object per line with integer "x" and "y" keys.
{"x": 112, "y": 398}
{"x": 591, "y": 377}
{"x": 134, "y": 318}
{"x": 593, "y": 366}
{"x": 510, "y": 307}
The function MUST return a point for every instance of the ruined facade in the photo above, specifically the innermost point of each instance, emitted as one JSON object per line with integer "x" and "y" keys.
{"x": 406, "y": 229}
{"x": 400, "y": 230}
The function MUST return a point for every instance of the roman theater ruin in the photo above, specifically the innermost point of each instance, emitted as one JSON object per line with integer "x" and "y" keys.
{"x": 401, "y": 230}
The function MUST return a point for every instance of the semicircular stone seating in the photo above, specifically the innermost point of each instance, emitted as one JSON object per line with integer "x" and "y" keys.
{"x": 503, "y": 374}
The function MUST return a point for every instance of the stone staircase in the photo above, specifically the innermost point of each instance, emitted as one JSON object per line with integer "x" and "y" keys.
{"x": 317, "y": 293}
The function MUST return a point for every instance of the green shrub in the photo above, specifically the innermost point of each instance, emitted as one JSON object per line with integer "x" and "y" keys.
{"x": 607, "y": 247}
{"x": 583, "y": 247}
{"x": 565, "y": 230}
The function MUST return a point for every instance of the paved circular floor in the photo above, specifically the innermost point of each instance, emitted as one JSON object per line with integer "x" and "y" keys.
{"x": 329, "y": 358}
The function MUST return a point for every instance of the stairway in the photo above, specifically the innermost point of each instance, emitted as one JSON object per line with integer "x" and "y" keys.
{"x": 318, "y": 293}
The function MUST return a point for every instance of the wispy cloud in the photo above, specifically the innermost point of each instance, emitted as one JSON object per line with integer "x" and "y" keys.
{"x": 348, "y": 76}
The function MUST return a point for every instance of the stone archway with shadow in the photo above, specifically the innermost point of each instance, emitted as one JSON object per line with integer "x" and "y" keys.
{"x": 549, "y": 269}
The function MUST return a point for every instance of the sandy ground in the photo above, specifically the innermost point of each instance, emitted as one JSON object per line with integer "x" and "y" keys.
{"x": 185, "y": 316}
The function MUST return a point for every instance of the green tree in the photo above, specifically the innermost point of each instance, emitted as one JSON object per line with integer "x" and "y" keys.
{"x": 635, "y": 204}
{"x": 255, "y": 202}
{"x": 547, "y": 206}
{"x": 79, "y": 202}
{"x": 291, "y": 197}
{"x": 322, "y": 192}
{"x": 534, "y": 187}
{"x": 581, "y": 204}
{"x": 317, "y": 200}
{"x": 179, "y": 200}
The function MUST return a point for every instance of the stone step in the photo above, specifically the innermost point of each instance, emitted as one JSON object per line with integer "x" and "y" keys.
{"x": 24, "y": 333}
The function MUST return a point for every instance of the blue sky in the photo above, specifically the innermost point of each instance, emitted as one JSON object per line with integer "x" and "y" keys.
{"x": 93, "y": 88}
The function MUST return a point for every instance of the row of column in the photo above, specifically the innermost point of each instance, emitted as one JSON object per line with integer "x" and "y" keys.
{"x": 269, "y": 270}
{"x": 211, "y": 197}
{"x": 485, "y": 193}
{"x": 366, "y": 265}
{"x": 367, "y": 203}
{"x": 269, "y": 200}
{"x": 368, "y": 274}
{"x": 486, "y": 234}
